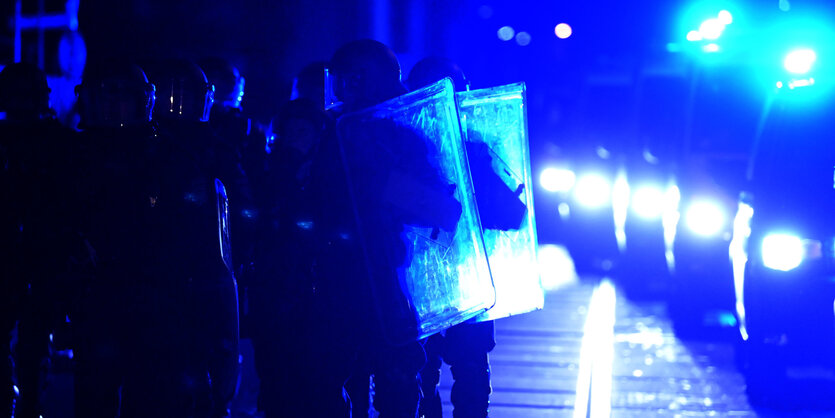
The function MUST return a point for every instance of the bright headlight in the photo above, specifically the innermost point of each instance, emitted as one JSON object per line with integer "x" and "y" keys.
{"x": 705, "y": 218}
{"x": 593, "y": 190}
{"x": 648, "y": 202}
{"x": 782, "y": 252}
{"x": 557, "y": 179}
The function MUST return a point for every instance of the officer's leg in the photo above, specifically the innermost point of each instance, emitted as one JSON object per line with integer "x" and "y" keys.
{"x": 31, "y": 354}
{"x": 396, "y": 381}
{"x": 7, "y": 395}
{"x": 97, "y": 357}
{"x": 466, "y": 351}
{"x": 430, "y": 377}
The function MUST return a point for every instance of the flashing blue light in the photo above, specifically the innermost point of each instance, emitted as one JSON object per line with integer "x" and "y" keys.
{"x": 593, "y": 190}
{"x": 506, "y": 33}
{"x": 800, "y": 61}
{"x": 711, "y": 29}
{"x": 725, "y": 17}
{"x": 705, "y": 218}
{"x": 557, "y": 179}
{"x": 782, "y": 252}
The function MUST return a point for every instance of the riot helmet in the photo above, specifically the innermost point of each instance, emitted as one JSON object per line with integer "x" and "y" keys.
{"x": 364, "y": 73}
{"x": 24, "y": 92}
{"x": 432, "y": 69}
{"x": 227, "y": 79}
{"x": 183, "y": 90}
{"x": 114, "y": 95}
{"x": 310, "y": 83}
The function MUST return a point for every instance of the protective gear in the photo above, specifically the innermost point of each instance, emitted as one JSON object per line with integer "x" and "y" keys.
{"x": 430, "y": 70}
{"x": 228, "y": 82}
{"x": 183, "y": 90}
{"x": 363, "y": 73}
{"x": 495, "y": 125}
{"x": 416, "y": 214}
{"x": 115, "y": 95}
{"x": 24, "y": 93}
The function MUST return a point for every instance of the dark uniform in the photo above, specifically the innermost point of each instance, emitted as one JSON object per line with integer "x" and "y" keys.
{"x": 149, "y": 332}
{"x": 182, "y": 115}
{"x": 295, "y": 355}
{"x": 36, "y": 239}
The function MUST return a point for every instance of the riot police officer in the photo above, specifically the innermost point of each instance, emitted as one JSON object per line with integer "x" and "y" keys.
{"x": 291, "y": 353}
{"x": 35, "y": 230}
{"x": 152, "y": 335}
{"x": 181, "y": 113}
{"x": 465, "y": 347}
{"x": 367, "y": 73}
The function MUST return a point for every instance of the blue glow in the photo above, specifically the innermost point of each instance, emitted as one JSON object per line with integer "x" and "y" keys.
{"x": 593, "y": 190}
{"x": 800, "y": 61}
{"x": 557, "y": 179}
{"x": 648, "y": 202}
{"x": 306, "y": 225}
{"x": 705, "y": 218}
{"x": 739, "y": 258}
{"x": 563, "y": 31}
{"x": 711, "y": 48}
{"x": 782, "y": 252}
{"x": 594, "y": 380}
{"x": 555, "y": 267}
{"x": 523, "y": 38}
{"x": 249, "y": 214}
{"x": 506, "y": 33}
{"x": 620, "y": 208}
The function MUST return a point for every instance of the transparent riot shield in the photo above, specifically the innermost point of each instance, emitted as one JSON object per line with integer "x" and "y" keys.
{"x": 416, "y": 215}
{"x": 223, "y": 224}
{"x": 494, "y": 122}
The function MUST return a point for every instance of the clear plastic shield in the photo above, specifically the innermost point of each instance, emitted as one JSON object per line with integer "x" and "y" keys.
{"x": 494, "y": 122}
{"x": 223, "y": 224}
{"x": 415, "y": 208}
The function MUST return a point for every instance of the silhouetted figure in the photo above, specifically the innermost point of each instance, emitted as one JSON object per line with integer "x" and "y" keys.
{"x": 182, "y": 112}
{"x": 294, "y": 357}
{"x": 36, "y": 239}
{"x": 465, "y": 347}
{"x": 393, "y": 184}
